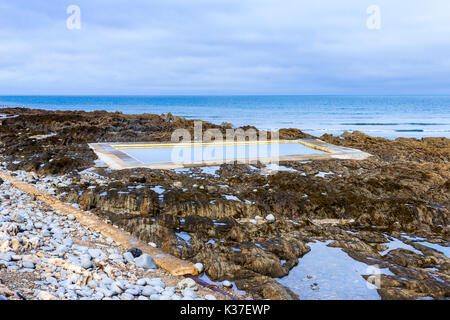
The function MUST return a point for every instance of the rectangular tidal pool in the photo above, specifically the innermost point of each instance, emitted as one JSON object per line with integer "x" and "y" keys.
{"x": 193, "y": 153}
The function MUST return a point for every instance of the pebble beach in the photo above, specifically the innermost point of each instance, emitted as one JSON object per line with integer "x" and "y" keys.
{"x": 47, "y": 255}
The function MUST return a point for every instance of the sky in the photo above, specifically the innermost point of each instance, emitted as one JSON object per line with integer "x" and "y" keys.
{"x": 152, "y": 47}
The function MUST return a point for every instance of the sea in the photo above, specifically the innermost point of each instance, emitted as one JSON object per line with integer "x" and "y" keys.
{"x": 381, "y": 116}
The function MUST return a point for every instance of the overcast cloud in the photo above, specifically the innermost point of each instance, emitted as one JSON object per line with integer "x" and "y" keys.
{"x": 225, "y": 47}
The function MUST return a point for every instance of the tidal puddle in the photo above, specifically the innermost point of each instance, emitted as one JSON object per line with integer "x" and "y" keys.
{"x": 211, "y": 170}
{"x": 397, "y": 244}
{"x": 273, "y": 168}
{"x": 327, "y": 273}
{"x": 158, "y": 189}
{"x": 228, "y": 197}
{"x": 185, "y": 237}
{"x": 438, "y": 247}
{"x": 323, "y": 174}
{"x": 412, "y": 238}
{"x": 443, "y": 249}
{"x": 205, "y": 278}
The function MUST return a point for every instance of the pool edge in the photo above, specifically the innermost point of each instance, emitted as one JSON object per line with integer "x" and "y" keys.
{"x": 110, "y": 154}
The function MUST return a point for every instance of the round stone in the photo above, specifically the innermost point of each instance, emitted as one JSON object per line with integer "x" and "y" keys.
{"x": 28, "y": 264}
{"x": 189, "y": 293}
{"x": 145, "y": 261}
{"x": 116, "y": 288}
{"x": 199, "y": 267}
{"x": 156, "y": 282}
{"x": 128, "y": 256}
{"x": 187, "y": 283}
{"x": 135, "y": 252}
{"x": 86, "y": 262}
{"x": 141, "y": 282}
{"x": 148, "y": 291}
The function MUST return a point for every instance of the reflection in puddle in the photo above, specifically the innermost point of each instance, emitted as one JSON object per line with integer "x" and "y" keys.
{"x": 323, "y": 174}
{"x": 205, "y": 278}
{"x": 412, "y": 238}
{"x": 234, "y": 198}
{"x": 210, "y": 170}
{"x": 182, "y": 170}
{"x": 438, "y": 247}
{"x": 158, "y": 189}
{"x": 444, "y": 250}
{"x": 329, "y": 273}
{"x": 397, "y": 244}
{"x": 186, "y": 237}
{"x": 273, "y": 168}
{"x": 219, "y": 224}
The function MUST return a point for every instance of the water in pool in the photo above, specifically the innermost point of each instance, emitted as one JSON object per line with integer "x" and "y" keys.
{"x": 217, "y": 152}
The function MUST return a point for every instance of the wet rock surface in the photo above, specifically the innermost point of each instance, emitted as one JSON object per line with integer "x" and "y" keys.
{"x": 219, "y": 218}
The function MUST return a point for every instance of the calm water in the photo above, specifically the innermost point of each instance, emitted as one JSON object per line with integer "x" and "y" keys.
{"x": 333, "y": 274}
{"x": 189, "y": 155}
{"x": 384, "y": 116}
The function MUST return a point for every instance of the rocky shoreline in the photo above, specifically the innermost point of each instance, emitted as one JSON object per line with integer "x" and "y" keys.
{"x": 246, "y": 224}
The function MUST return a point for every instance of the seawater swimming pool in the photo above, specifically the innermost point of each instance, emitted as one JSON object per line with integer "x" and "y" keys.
{"x": 178, "y": 155}
{"x": 192, "y": 153}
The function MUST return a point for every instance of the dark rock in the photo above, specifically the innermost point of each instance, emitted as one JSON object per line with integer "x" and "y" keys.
{"x": 135, "y": 252}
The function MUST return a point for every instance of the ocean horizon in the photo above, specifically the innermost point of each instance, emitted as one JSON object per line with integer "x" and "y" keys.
{"x": 382, "y": 116}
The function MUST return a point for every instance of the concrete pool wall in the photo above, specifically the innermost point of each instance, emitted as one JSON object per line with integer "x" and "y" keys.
{"x": 161, "y": 155}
